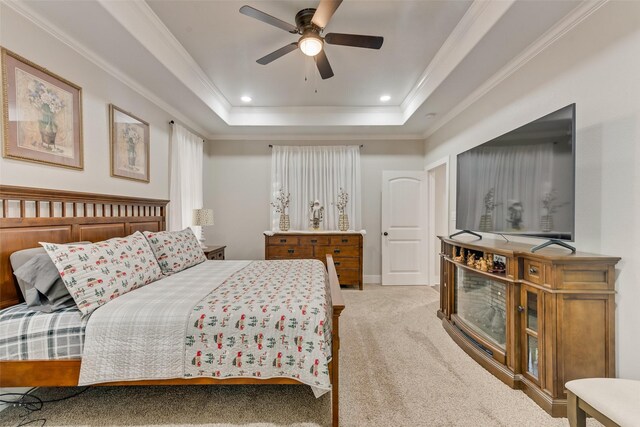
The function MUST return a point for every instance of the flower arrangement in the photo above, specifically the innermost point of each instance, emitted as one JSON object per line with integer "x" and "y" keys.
{"x": 489, "y": 202}
{"x": 343, "y": 199}
{"x": 130, "y": 134}
{"x": 44, "y": 99}
{"x": 282, "y": 202}
{"x": 549, "y": 204}
{"x": 316, "y": 214}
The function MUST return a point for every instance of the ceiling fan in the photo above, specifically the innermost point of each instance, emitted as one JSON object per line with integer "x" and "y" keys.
{"x": 310, "y": 24}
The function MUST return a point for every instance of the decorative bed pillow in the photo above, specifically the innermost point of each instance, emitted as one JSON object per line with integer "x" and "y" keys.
{"x": 96, "y": 273}
{"x": 44, "y": 289}
{"x": 175, "y": 250}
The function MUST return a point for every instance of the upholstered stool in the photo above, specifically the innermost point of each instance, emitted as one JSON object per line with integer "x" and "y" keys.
{"x": 612, "y": 401}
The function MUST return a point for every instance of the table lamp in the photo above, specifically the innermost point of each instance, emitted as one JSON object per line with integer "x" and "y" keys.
{"x": 202, "y": 217}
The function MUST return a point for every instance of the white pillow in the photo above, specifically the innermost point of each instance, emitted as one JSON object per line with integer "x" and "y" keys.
{"x": 96, "y": 273}
{"x": 175, "y": 250}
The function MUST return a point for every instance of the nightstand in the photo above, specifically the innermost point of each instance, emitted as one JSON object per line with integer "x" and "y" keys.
{"x": 214, "y": 252}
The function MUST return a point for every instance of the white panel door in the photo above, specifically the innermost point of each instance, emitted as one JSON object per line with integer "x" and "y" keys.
{"x": 404, "y": 228}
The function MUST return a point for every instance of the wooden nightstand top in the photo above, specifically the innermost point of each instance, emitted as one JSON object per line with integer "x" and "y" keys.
{"x": 214, "y": 252}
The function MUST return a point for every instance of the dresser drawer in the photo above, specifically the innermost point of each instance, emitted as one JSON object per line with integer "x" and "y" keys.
{"x": 348, "y": 276}
{"x": 533, "y": 271}
{"x": 314, "y": 240}
{"x": 337, "y": 251}
{"x": 282, "y": 240}
{"x": 342, "y": 262}
{"x": 344, "y": 240}
{"x": 283, "y": 252}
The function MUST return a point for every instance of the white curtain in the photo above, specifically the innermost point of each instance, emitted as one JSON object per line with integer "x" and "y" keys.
{"x": 185, "y": 191}
{"x": 516, "y": 174}
{"x": 316, "y": 173}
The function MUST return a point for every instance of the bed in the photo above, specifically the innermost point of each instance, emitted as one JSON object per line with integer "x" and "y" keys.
{"x": 30, "y": 215}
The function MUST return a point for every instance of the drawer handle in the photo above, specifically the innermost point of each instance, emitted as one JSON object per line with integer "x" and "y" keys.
{"x": 520, "y": 309}
{"x": 336, "y": 264}
{"x": 314, "y": 241}
{"x": 291, "y": 251}
{"x": 533, "y": 270}
{"x": 283, "y": 240}
{"x": 336, "y": 251}
{"x": 345, "y": 240}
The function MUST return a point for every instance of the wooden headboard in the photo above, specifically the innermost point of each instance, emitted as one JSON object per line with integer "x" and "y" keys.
{"x": 32, "y": 215}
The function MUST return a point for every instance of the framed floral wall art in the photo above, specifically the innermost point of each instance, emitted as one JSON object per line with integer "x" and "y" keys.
{"x": 129, "y": 145}
{"x": 42, "y": 114}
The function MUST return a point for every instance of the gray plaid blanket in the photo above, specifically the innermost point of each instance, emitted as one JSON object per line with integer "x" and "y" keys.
{"x": 31, "y": 335}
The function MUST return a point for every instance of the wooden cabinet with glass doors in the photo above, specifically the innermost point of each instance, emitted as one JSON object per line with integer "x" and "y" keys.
{"x": 543, "y": 319}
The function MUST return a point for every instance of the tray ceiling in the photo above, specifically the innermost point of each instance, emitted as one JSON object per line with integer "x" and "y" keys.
{"x": 197, "y": 59}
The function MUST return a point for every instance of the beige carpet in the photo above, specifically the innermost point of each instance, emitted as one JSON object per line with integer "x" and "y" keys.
{"x": 398, "y": 368}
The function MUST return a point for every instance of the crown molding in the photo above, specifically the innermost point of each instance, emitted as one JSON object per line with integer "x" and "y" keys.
{"x": 147, "y": 28}
{"x": 316, "y": 116}
{"x": 22, "y": 8}
{"x": 475, "y": 24}
{"x": 562, "y": 27}
{"x": 417, "y": 138}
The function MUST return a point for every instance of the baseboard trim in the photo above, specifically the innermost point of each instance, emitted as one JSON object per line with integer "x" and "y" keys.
{"x": 373, "y": 279}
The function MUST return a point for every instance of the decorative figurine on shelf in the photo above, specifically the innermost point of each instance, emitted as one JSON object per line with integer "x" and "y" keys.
{"x": 454, "y": 252}
{"x": 489, "y": 262}
{"x": 341, "y": 204}
{"x": 471, "y": 259}
{"x": 458, "y": 257}
{"x": 316, "y": 214}
{"x": 281, "y": 205}
{"x": 483, "y": 265}
{"x": 476, "y": 264}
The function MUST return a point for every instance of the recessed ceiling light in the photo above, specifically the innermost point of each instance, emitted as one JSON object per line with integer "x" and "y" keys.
{"x": 246, "y": 99}
{"x": 385, "y": 98}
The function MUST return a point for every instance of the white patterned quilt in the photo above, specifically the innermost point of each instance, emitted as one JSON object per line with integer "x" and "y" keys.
{"x": 219, "y": 319}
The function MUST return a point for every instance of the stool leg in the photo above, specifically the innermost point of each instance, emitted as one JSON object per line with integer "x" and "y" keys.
{"x": 577, "y": 417}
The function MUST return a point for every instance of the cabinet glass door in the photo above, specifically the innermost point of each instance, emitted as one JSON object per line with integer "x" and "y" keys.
{"x": 531, "y": 309}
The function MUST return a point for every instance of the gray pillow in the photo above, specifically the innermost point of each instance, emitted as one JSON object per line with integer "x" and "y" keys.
{"x": 45, "y": 290}
{"x": 19, "y": 258}
{"x": 38, "y": 288}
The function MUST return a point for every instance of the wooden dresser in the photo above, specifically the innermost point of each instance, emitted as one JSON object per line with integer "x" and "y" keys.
{"x": 345, "y": 247}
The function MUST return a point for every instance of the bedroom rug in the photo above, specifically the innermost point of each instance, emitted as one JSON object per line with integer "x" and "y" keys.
{"x": 398, "y": 368}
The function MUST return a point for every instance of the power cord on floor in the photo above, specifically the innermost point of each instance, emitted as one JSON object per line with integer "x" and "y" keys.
{"x": 31, "y": 403}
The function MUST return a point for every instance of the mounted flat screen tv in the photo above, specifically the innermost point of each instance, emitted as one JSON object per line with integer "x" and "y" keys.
{"x": 522, "y": 182}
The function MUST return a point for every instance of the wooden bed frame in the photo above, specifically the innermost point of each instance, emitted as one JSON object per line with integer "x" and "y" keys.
{"x": 32, "y": 215}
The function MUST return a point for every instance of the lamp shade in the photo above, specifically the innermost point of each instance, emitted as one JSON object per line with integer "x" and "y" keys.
{"x": 202, "y": 217}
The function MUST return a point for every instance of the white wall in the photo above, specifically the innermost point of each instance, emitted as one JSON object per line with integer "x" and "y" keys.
{"x": 99, "y": 89}
{"x": 237, "y": 187}
{"x": 597, "y": 66}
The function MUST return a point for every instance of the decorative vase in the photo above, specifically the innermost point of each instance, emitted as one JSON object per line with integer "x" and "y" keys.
{"x": 546, "y": 223}
{"x": 343, "y": 222}
{"x": 284, "y": 222}
{"x": 486, "y": 223}
{"x": 48, "y": 130}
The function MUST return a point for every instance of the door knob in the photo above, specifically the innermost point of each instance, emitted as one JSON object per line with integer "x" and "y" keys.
{"x": 385, "y": 233}
{"x": 520, "y": 308}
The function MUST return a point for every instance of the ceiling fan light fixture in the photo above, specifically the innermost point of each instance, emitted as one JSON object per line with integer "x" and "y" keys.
{"x": 310, "y": 44}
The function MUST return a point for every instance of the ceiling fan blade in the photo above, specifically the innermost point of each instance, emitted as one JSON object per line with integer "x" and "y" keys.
{"x": 354, "y": 40}
{"x": 324, "y": 12}
{"x": 268, "y": 19}
{"x": 323, "y": 65}
{"x": 277, "y": 54}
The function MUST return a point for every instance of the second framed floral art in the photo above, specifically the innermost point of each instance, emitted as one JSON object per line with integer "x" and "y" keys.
{"x": 129, "y": 145}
